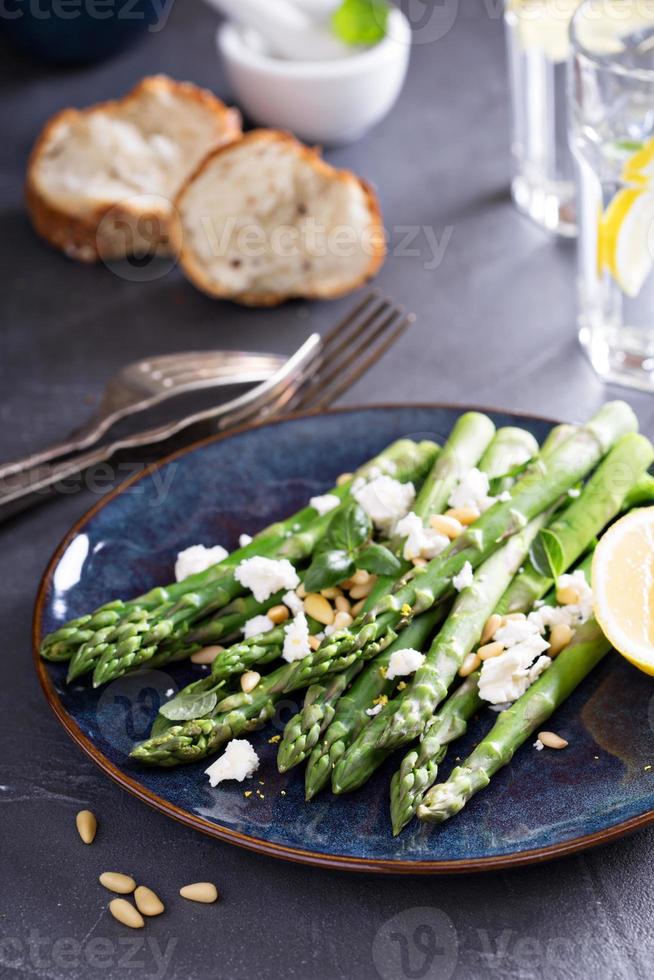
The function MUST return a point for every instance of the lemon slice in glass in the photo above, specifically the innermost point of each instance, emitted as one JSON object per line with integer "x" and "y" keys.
{"x": 626, "y": 238}
{"x": 623, "y": 587}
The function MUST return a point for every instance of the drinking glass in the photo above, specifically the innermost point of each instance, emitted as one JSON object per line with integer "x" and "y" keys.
{"x": 537, "y": 37}
{"x": 611, "y": 112}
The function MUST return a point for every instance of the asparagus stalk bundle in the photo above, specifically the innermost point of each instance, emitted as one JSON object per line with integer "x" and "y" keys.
{"x": 419, "y": 768}
{"x": 455, "y": 639}
{"x": 530, "y": 496}
{"x": 123, "y": 636}
{"x": 509, "y": 449}
{"x": 515, "y": 725}
{"x": 472, "y": 435}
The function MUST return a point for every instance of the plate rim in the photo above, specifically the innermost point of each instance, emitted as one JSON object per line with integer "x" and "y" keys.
{"x": 257, "y": 844}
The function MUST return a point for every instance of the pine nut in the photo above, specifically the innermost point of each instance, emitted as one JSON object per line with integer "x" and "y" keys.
{"x": 342, "y": 620}
{"x": 147, "y": 902}
{"x": 314, "y": 642}
{"x": 356, "y": 609}
{"x": 87, "y": 825}
{"x": 514, "y": 616}
{"x": 560, "y": 636}
{"x": 360, "y": 577}
{"x": 448, "y": 526}
{"x": 347, "y": 584}
{"x": 343, "y": 478}
{"x": 362, "y": 591}
{"x": 206, "y": 655}
{"x": 489, "y": 650}
{"x": 301, "y": 592}
{"x": 464, "y": 515}
{"x": 249, "y": 681}
{"x": 342, "y": 603}
{"x": 551, "y": 740}
{"x": 419, "y": 562}
{"x": 316, "y": 606}
{"x": 567, "y": 596}
{"x": 201, "y": 891}
{"x": 493, "y": 623}
{"x": 331, "y": 593}
{"x": 278, "y": 614}
{"x": 116, "y": 882}
{"x": 125, "y": 912}
{"x": 471, "y": 662}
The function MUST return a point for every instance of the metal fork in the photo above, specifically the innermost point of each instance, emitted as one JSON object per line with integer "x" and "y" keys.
{"x": 148, "y": 382}
{"x": 318, "y": 373}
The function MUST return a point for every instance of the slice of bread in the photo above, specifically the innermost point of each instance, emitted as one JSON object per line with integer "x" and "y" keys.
{"x": 265, "y": 219}
{"x": 101, "y": 181}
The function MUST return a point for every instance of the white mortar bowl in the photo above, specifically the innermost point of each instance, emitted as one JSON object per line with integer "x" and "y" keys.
{"x": 328, "y": 102}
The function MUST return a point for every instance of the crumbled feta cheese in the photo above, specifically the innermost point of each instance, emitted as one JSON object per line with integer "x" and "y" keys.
{"x": 421, "y": 541}
{"x": 464, "y": 578}
{"x": 244, "y": 540}
{"x": 325, "y": 503}
{"x": 516, "y": 631}
{"x": 256, "y": 625}
{"x": 504, "y": 496}
{"x": 293, "y": 602}
{"x": 574, "y": 492}
{"x": 169, "y": 692}
{"x": 538, "y": 745}
{"x": 573, "y": 614}
{"x": 296, "y": 639}
{"x": 507, "y": 677}
{"x": 376, "y": 708}
{"x": 238, "y": 761}
{"x": 197, "y": 558}
{"x": 265, "y": 576}
{"x": 385, "y": 501}
{"x": 404, "y": 662}
{"x": 388, "y": 466}
{"x": 472, "y": 491}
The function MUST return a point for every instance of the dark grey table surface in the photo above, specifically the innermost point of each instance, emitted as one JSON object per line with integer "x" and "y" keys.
{"x": 496, "y": 327}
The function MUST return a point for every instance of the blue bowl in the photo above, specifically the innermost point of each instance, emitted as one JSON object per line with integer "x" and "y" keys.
{"x": 80, "y": 33}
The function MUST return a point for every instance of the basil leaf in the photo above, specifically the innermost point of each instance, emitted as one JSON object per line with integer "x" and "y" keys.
{"x": 379, "y": 560}
{"x": 361, "y": 21}
{"x": 186, "y": 707}
{"x": 350, "y": 527}
{"x": 328, "y": 568}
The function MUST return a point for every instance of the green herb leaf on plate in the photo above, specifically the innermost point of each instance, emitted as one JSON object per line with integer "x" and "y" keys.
{"x": 328, "y": 568}
{"x": 186, "y": 707}
{"x": 378, "y": 560}
{"x": 349, "y": 528}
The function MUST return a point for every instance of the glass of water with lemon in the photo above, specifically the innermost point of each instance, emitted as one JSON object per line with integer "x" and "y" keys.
{"x": 538, "y": 45}
{"x": 611, "y": 102}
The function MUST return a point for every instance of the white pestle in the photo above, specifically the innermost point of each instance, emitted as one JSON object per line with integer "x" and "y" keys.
{"x": 288, "y": 31}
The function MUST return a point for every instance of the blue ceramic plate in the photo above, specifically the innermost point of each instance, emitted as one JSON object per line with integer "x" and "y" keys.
{"x": 542, "y": 805}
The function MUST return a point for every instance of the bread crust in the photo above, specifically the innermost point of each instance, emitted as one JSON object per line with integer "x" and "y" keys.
{"x": 311, "y": 155}
{"x": 83, "y": 237}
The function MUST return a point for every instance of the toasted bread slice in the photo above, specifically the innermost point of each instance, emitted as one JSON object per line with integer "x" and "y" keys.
{"x": 101, "y": 180}
{"x": 265, "y": 219}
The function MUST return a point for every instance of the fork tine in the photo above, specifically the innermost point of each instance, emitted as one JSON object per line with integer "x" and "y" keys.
{"x": 349, "y": 319}
{"x": 350, "y": 371}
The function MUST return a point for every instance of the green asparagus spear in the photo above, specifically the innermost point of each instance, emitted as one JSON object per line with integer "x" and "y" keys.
{"x": 470, "y": 437}
{"x": 532, "y": 494}
{"x": 461, "y": 631}
{"x": 515, "y": 725}
{"x": 419, "y": 768}
{"x": 305, "y": 728}
{"x": 642, "y": 494}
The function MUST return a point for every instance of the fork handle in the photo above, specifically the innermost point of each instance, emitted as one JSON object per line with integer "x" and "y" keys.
{"x": 22, "y": 489}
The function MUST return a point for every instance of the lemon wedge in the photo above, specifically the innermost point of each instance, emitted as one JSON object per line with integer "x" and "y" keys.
{"x": 626, "y": 238}
{"x": 639, "y": 168}
{"x": 623, "y": 587}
